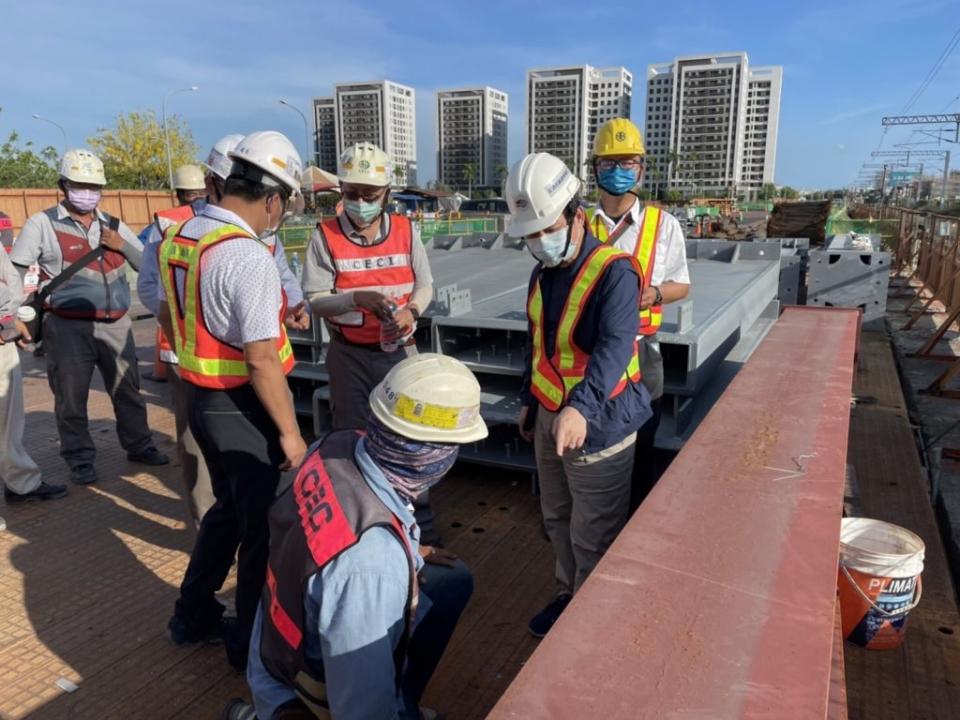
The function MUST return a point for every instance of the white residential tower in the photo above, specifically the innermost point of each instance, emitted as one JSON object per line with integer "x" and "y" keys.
{"x": 471, "y": 135}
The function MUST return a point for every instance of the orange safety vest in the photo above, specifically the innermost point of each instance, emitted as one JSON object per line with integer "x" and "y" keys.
{"x": 205, "y": 360}
{"x": 645, "y": 253}
{"x": 386, "y": 267}
{"x": 553, "y": 378}
{"x": 165, "y": 219}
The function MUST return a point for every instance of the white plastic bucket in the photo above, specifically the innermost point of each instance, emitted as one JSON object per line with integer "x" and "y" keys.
{"x": 879, "y": 581}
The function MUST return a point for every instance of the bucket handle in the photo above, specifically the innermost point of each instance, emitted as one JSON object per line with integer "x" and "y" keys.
{"x": 918, "y": 593}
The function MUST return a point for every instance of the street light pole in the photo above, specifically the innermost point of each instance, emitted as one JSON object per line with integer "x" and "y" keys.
{"x": 306, "y": 130}
{"x": 166, "y": 135}
{"x": 56, "y": 125}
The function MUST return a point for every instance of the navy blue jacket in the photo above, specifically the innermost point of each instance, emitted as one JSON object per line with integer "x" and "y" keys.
{"x": 606, "y": 331}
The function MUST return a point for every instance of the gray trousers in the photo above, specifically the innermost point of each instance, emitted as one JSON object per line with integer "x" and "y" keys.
{"x": 354, "y": 373}
{"x": 18, "y": 471}
{"x": 74, "y": 348}
{"x": 198, "y": 492}
{"x": 584, "y": 499}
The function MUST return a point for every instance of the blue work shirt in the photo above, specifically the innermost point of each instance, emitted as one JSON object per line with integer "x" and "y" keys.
{"x": 149, "y": 284}
{"x": 354, "y": 616}
{"x": 606, "y": 331}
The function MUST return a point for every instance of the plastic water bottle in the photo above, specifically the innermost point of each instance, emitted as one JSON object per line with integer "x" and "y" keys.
{"x": 389, "y": 340}
{"x": 295, "y": 267}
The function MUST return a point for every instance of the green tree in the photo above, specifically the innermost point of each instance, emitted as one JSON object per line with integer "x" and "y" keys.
{"x": 23, "y": 167}
{"x": 674, "y": 197}
{"x": 788, "y": 192}
{"x": 502, "y": 171}
{"x": 469, "y": 173}
{"x": 399, "y": 174}
{"x": 769, "y": 191}
{"x": 134, "y": 153}
{"x": 643, "y": 194}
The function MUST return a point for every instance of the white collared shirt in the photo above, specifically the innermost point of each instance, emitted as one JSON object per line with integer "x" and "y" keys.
{"x": 670, "y": 264}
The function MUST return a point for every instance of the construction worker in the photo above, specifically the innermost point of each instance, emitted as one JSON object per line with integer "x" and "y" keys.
{"x": 19, "y": 474}
{"x": 655, "y": 238}
{"x": 583, "y": 400}
{"x": 86, "y": 324}
{"x": 224, "y": 307}
{"x": 366, "y": 273}
{"x": 345, "y": 630}
{"x": 196, "y": 477}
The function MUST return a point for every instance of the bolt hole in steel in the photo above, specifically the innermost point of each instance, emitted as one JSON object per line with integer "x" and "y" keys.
{"x": 478, "y": 530}
{"x": 482, "y": 503}
{"x": 945, "y": 630}
{"x": 503, "y": 508}
{"x": 456, "y": 525}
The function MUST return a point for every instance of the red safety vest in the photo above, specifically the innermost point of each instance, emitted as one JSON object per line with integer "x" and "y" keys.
{"x": 325, "y": 512}
{"x": 386, "y": 267}
{"x": 97, "y": 292}
{"x": 645, "y": 253}
{"x": 553, "y": 377}
{"x": 165, "y": 219}
{"x": 205, "y": 360}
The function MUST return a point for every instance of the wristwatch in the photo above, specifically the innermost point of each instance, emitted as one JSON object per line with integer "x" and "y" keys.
{"x": 659, "y": 299}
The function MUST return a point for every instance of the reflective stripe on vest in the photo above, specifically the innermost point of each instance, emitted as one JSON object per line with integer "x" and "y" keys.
{"x": 645, "y": 252}
{"x": 205, "y": 360}
{"x": 99, "y": 291}
{"x": 553, "y": 378}
{"x": 386, "y": 267}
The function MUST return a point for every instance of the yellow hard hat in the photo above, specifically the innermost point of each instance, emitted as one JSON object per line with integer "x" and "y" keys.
{"x": 618, "y": 137}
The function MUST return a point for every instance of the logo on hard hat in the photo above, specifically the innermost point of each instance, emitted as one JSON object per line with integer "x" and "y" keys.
{"x": 521, "y": 202}
{"x": 364, "y": 165}
{"x": 621, "y": 136}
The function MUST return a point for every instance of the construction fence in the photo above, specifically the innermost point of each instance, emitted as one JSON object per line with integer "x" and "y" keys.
{"x": 135, "y": 207}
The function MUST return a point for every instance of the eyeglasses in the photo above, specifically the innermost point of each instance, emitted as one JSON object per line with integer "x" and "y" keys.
{"x": 367, "y": 195}
{"x": 625, "y": 164}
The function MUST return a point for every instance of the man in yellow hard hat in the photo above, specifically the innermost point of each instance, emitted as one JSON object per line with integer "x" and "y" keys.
{"x": 656, "y": 240}
{"x": 340, "y": 632}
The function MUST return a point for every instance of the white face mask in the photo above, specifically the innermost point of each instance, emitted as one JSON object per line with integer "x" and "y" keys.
{"x": 552, "y": 249}
{"x": 270, "y": 231}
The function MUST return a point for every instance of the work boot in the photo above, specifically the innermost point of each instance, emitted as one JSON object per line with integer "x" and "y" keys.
{"x": 150, "y": 456}
{"x": 182, "y": 635}
{"x": 44, "y": 491}
{"x": 84, "y": 474}
{"x": 544, "y": 620}
{"x": 237, "y": 709}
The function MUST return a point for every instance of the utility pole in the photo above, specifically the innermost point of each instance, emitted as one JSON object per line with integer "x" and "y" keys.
{"x": 946, "y": 175}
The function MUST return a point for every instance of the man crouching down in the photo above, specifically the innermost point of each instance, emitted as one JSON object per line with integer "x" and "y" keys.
{"x": 345, "y": 629}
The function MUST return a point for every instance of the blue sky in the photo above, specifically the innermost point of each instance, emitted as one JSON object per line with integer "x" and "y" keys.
{"x": 845, "y": 64}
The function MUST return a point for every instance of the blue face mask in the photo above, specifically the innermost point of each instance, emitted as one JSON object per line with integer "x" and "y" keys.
{"x": 362, "y": 212}
{"x": 551, "y": 249}
{"x": 617, "y": 181}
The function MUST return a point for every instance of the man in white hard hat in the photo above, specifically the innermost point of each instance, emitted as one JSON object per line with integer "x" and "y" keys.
{"x": 583, "y": 399}
{"x": 86, "y": 324}
{"x": 345, "y": 630}
{"x": 196, "y": 477}
{"x": 224, "y": 309}
{"x": 656, "y": 240}
{"x": 367, "y": 274}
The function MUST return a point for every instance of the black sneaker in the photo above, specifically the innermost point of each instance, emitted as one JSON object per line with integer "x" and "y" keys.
{"x": 237, "y": 709}
{"x": 83, "y": 474}
{"x": 44, "y": 492}
{"x": 182, "y": 635}
{"x": 544, "y": 620}
{"x": 150, "y": 456}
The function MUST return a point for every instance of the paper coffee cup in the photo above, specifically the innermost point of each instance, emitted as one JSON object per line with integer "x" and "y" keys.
{"x": 26, "y": 314}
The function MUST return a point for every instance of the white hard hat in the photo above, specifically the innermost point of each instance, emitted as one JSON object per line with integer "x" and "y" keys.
{"x": 188, "y": 177}
{"x": 365, "y": 164}
{"x": 537, "y": 190}
{"x": 431, "y": 398}
{"x": 217, "y": 161}
{"x": 82, "y": 166}
{"x": 274, "y": 154}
